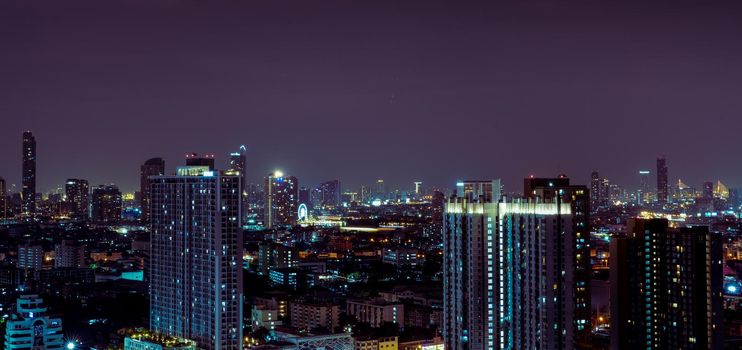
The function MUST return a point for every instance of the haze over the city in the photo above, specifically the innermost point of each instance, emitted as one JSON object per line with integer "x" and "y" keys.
{"x": 358, "y": 90}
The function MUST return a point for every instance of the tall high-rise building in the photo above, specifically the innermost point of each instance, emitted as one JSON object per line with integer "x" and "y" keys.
{"x": 515, "y": 270}
{"x": 328, "y": 194}
{"x": 594, "y": 190}
{"x": 469, "y": 231}
{"x": 381, "y": 192}
{"x": 238, "y": 163}
{"x": 106, "y": 204}
{"x": 196, "y": 258}
{"x": 29, "y": 327}
{"x": 28, "y": 192}
{"x": 666, "y": 287}
{"x": 281, "y": 200}
{"x": 4, "y": 213}
{"x": 708, "y": 190}
{"x": 193, "y": 159}
{"x": 662, "y": 189}
{"x": 76, "y": 193}
{"x": 643, "y": 195}
{"x": 152, "y": 167}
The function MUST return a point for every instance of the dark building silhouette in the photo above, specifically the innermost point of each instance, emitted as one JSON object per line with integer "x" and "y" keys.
{"x": 708, "y": 190}
{"x": 594, "y": 190}
{"x": 662, "y": 189}
{"x": 152, "y": 167}
{"x": 327, "y": 194}
{"x": 77, "y": 192}
{"x": 238, "y": 163}
{"x": 666, "y": 287}
{"x": 575, "y": 247}
{"x": 107, "y": 204}
{"x": 28, "y": 193}
{"x": 194, "y": 159}
{"x": 4, "y": 213}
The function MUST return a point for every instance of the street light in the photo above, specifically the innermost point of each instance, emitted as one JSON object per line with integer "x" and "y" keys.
{"x": 70, "y": 346}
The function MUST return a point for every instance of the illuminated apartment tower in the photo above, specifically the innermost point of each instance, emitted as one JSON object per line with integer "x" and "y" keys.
{"x": 513, "y": 269}
{"x": 571, "y": 252}
{"x": 662, "y": 180}
{"x": 28, "y": 192}
{"x": 469, "y": 231}
{"x": 196, "y": 257}
{"x": 666, "y": 287}
{"x": 281, "y": 200}
{"x": 152, "y": 167}
{"x": 77, "y": 192}
{"x": 3, "y": 199}
{"x": 595, "y": 183}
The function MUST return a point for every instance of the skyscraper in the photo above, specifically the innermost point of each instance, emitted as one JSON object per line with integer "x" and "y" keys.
{"x": 662, "y": 189}
{"x": 572, "y": 249}
{"x": 107, "y": 204}
{"x": 76, "y": 198}
{"x": 281, "y": 200}
{"x": 666, "y": 287}
{"x": 594, "y": 190}
{"x": 469, "y": 231}
{"x": 3, "y": 199}
{"x": 328, "y": 194}
{"x": 237, "y": 163}
{"x": 152, "y": 167}
{"x": 196, "y": 258}
{"x": 28, "y": 192}
{"x": 515, "y": 270}
{"x": 643, "y": 195}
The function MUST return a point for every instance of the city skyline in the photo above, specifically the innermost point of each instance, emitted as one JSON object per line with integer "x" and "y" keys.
{"x": 346, "y": 95}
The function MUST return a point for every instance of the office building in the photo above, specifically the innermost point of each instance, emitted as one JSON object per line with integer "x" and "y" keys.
{"x": 107, "y": 204}
{"x": 28, "y": 192}
{"x": 30, "y": 257}
{"x": 196, "y": 258}
{"x": 152, "y": 167}
{"x": 595, "y": 183}
{"x": 327, "y": 195}
{"x": 516, "y": 271}
{"x": 307, "y": 316}
{"x": 29, "y": 327}
{"x": 281, "y": 200}
{"x": 77, "y": 192}
{"x": 666, "y": 287}
{"x": 644, "y": 195}
{"x": 271, "y": 255}
{"x": 662, "y": 187}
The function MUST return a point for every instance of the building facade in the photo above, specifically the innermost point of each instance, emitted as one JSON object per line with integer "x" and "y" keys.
{"x": 238, "y": 164}
{"x": 196, "y": 258}
{"x": 152, "y": 167}
{"x": 281, "y": 200}
{"x": 30, "y": 327}
{"x": 308, "y": 316}
{"x": 666, "y": 287}
{"x": 77, "y": 194}
{"x": 30, "y": 257}
{"x": 106, "y": 204}
{"x": 662, "y": 188}
{"x": 28, "y": 179}
{"x": 516, "y": 271}
{"x": 376, "y": 311}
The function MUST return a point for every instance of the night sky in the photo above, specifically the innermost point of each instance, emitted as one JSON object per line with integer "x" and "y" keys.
{"x": 359, "y": 90}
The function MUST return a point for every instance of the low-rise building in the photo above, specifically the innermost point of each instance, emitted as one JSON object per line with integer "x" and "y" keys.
{"x": 308, "y": 316}
{"x": 31, "y": 328}
{"x": 376, "y": 311}
{"x": 146, "y": 340}
{"x": 264, "y": 316}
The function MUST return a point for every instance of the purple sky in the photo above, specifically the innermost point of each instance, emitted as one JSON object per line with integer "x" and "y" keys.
{"x": 360, "y": 90}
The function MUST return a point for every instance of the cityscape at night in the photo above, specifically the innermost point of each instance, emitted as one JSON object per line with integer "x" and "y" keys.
{"x": 370, "y": 175}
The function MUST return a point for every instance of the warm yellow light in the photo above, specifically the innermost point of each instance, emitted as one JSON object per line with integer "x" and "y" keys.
{"x": 278, "y": 173}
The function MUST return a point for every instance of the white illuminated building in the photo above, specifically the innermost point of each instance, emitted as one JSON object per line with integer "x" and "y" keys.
{"x": 196, "y": 257}
{"x": 30, "y": 328}
{"x": 508, "y": 271}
